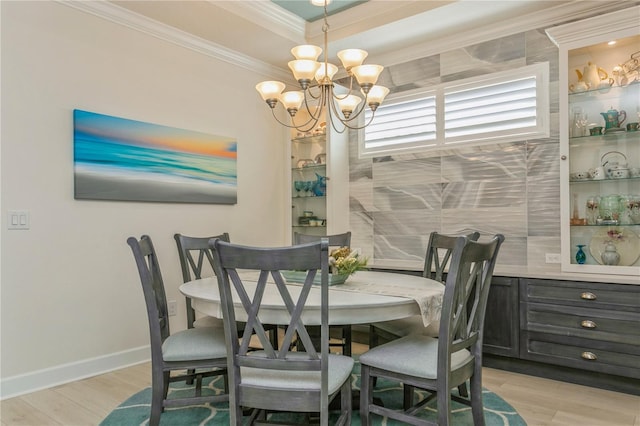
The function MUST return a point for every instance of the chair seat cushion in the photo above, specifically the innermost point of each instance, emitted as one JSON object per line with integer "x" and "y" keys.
{"x": 208, "y": 322}
{"x": 339, "y": 367}
{"x": 406, "y": 326}
{"x": 195, "y": 344}
{"x": 414, "y": 355}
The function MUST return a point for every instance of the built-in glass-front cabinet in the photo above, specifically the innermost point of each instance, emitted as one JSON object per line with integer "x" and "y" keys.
{"x": 318, "y": 180}
{"x": 309, "y": 183}
{"x": 600, "y": 143}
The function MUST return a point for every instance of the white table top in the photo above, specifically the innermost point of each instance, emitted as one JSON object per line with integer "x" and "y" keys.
{"x": 358, "y": 301}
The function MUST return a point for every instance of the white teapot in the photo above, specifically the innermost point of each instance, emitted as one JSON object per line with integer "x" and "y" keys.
{"x": 594, "y": 76}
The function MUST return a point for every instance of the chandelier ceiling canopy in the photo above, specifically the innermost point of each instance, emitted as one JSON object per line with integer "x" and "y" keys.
{"x": 319, "y": 94}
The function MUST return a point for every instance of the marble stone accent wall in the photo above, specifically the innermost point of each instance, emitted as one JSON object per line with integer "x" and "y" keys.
{"x": 508, "y": 188}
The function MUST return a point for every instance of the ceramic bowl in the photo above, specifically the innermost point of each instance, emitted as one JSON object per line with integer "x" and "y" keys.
{"x": 582, "y": 175}
{"x": 620, "y": 173}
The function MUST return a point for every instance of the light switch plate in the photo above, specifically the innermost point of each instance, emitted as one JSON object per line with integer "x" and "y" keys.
{"x": 553, "y": 258}
{"x": 18, "y": 219}
{"x": 172, "y": 307}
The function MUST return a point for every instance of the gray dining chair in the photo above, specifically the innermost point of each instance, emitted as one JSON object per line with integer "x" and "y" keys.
{"x": 343, "y": 332}
{"x": 436, "y": 262}
{"x": 192, "y": 252}
{"x": 302, "y": 381}
{"x": 188, "y": 249}
{"x": 438, "y": 365}
{"x": 202, "y": 349}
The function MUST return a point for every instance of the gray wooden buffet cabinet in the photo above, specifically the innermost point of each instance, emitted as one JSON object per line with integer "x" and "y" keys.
{"x": 575, "y": 331}
{"x": 581, "y": 332}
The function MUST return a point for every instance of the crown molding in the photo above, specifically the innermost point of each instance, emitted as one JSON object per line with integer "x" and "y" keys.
{"x": 563, "y": 12}
{"x": 135, "y": 21}
{"x": 370, "y": 15}
{"x": 269, "y": 16}
{"x": 623, "y": 22}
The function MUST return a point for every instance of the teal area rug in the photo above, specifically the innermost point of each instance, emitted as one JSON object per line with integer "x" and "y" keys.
{"x": 135, "y": 410}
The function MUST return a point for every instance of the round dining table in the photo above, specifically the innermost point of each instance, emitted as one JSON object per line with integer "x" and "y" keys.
{"x": 366, "y": 297}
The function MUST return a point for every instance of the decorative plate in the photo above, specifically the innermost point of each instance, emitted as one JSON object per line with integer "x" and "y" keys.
{"x": 299, "y": 277}
{"x": 626, "y": 241}
{"x": 613, "y": 157}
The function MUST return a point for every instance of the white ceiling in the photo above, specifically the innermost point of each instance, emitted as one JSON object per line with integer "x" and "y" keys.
{"x": 391, "y": 31}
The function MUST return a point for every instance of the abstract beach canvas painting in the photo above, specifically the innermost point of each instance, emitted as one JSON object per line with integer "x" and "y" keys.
{"x": 127, "y": 160}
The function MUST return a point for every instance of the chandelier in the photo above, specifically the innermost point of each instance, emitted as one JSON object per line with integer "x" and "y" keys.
{"x": 321, "y": 95}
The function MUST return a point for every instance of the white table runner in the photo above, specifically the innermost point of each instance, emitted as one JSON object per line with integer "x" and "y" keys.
{"x": 427, "y": 293}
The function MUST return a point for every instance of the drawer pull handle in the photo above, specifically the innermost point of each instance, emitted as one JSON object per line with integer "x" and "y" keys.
{"x": 587, "y": 295}
{"x": 590, "y": 356}
{"x": 588, "y": 324}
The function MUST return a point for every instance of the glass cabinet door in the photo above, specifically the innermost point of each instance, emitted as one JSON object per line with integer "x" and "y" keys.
{"x": 309, "y": 184}
{"x": 600, "y": 144}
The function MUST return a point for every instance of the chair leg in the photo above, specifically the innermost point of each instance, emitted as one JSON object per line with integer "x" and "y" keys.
{"x": 199, "y": 385}
{"x": 463, "y": 391}
{"x": 444, "y": 408}
{"x": 373, "y": 337}
{"x": 273, "y": 337}
{"x": 165, "y": 384}
{"x": 159, "y": 389}
{"x": 476, "y": 399}
{"x": 373, "y": 342}
{"x": 346, "y": 334}
{"x": 346, "y": 401}
{"x": 190, "y": 373}
{"x": 366, "y": 395}
{"x": 407, "y": 401}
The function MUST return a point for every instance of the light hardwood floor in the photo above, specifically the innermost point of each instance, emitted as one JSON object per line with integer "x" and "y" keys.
{"x": 539, "y": 401}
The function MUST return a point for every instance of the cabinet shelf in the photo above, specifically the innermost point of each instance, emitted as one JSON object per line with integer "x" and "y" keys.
{"x": 309, "y": 168}
{"x": 581, "y": 181}
{"x": 604, "y": 93}
{"x": 314, "y": 197}
{"x": 579, "y": 142}
{"x": 319, "y": 138}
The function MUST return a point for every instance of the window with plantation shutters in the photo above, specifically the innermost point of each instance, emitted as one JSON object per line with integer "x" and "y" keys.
{"x": 505, "y": 106}
{"x": 403, "y": 124}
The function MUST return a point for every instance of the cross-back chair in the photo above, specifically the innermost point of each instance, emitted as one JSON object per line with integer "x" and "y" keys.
{"x": 439, "y": 365}
{"x": 201, "y": 349}
{"x": 436, "y": 262}
{"x": 343, "y": 332}
{"x": 190, "y": 248}
{"x": 279, "y": 379}
{"x": 192, "y": 252}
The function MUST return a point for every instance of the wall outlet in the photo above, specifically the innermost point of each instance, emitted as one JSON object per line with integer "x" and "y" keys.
{"x": 172, "y": 307}
{"x": 552, "y": 258}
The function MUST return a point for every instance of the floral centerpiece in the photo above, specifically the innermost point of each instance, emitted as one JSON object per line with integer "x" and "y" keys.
{"x": 344, "y": 261}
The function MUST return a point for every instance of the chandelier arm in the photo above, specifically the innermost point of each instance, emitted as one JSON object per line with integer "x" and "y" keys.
{"x": 334, "y": 117}
{"x": 297, "y": 127}
{"x": 311, "y": 94}
{"x": 347, "y": 122}
{"x": 314, "y": 118}
{"x": 373, "y": 114}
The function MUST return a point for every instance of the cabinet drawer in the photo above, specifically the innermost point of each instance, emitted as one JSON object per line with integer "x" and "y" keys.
{"x": 619, "y": 297}
{"x": 593, "y": 355}
{"x": 601, "y": 324}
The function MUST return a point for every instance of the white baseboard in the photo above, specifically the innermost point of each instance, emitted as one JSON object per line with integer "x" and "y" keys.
{"x": 65, "y": 373}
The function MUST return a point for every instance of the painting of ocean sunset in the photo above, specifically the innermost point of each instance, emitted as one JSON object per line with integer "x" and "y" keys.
{"x": 127, "y": 160}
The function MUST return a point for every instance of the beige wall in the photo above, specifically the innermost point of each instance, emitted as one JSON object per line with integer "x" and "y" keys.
{"x": 71, "y": 299}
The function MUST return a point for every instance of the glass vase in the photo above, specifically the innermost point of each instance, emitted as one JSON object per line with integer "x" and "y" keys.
{"x": 581, "y": 257}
